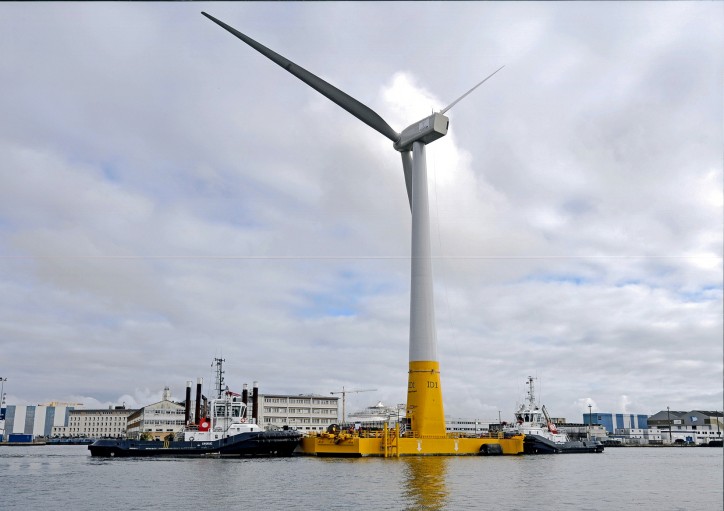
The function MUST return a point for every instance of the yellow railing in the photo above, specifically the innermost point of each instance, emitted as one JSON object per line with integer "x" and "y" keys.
{"x": 394, "y": 433}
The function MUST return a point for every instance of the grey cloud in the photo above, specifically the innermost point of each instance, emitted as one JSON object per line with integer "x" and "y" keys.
{"x": 168, "y": 195}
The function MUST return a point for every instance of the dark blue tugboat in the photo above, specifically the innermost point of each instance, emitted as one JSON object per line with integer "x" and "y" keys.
{"x": 224, "y": 432}
{"x": 541, "y": 435}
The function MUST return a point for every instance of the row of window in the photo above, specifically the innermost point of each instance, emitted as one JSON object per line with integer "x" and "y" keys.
{"x": 83, "y": 434}
{"x": 96, "y": 430}
{"x": 300, "y": 401}
{"x": 298, "y": 420}
{"x": 96, "y": 412}
{"x": 98, "y": 419}
{"x": 99, "y": 423}
{"x": 686, "y": 428}
{"x": 315, "y": 411}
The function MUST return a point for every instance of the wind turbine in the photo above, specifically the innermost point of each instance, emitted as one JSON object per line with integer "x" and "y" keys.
{"x": 425, "y": 414}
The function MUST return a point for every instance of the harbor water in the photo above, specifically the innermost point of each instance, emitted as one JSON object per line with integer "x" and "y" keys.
{"x": 66, "y": 477}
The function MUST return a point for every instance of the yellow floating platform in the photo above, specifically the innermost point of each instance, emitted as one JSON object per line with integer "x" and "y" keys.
{"x": 388, "y": 443}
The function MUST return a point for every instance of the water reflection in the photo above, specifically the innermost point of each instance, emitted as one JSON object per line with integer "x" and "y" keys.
{"x": 424, "y": 482}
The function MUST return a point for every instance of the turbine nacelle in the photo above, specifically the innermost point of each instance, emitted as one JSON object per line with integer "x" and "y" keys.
{"x": 427, "y": 130}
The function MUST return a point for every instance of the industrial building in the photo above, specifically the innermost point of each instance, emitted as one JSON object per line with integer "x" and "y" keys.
{"x": 665, "y": 427}
{"x": 612, "y": 422}
{"x": 695, "y": 427}
{"x": 624, "y": 428}
{"x": 37, "y": 420}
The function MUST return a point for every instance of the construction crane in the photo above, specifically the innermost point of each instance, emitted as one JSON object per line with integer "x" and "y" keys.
{"x": 344, "y": 395}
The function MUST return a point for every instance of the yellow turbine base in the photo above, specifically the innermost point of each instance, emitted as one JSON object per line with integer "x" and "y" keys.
{"x": 424, "y": 399}
{"x": 387, "y": 445}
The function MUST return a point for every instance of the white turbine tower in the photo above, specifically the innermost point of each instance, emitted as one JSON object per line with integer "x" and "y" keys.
{"x": 425, "y": 412}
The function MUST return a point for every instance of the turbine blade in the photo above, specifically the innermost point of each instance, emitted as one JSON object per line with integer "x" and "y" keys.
{"x": 407, "y": 169}
{"x": 468, "y": 92}
{"x": 359, "y": 110}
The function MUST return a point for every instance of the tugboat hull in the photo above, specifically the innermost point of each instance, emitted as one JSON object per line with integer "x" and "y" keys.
{"x": 536, "y": 444}
{"x": 260, "y": 443}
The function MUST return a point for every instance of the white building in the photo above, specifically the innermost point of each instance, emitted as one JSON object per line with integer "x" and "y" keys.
{"x": 95, "y": 423}
{"x": 637, "y": 436}
{"x": 156, "y": 421}
{"x": 469, "y": 427}
{"x": 303, "y": 412}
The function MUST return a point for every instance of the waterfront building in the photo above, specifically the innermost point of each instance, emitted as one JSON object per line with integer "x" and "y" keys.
{"x": 626, "y": 428}
{"x": 637, "y": 436}
{"x": 303, "y": 412}
{"x": 470, "y": 427}
{"x": 694, "y": 427}
{"x": 36, "y": 420}
{"x": 95, "y": 423}
{"x": 157, "y": 420}
{"x": 664, "y": 427}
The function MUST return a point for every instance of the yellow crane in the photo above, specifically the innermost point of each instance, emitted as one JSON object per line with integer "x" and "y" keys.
{"x": 344, "y": 396}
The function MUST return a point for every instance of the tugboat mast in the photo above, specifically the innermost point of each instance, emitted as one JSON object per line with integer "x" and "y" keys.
{"x": 219, "y": 377}
{"x": 531, "y": 392}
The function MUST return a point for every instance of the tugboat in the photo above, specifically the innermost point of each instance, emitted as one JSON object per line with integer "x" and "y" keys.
{"x": 541, "y": 435}
{"x": 225, "y": 431}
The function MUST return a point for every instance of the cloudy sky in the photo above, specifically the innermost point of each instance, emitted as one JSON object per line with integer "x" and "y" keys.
{"x": 169, "y": 196}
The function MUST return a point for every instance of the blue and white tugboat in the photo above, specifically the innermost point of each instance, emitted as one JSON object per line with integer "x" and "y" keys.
{"x": 223, "y": 431}
{"x": 541, "y": 435}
